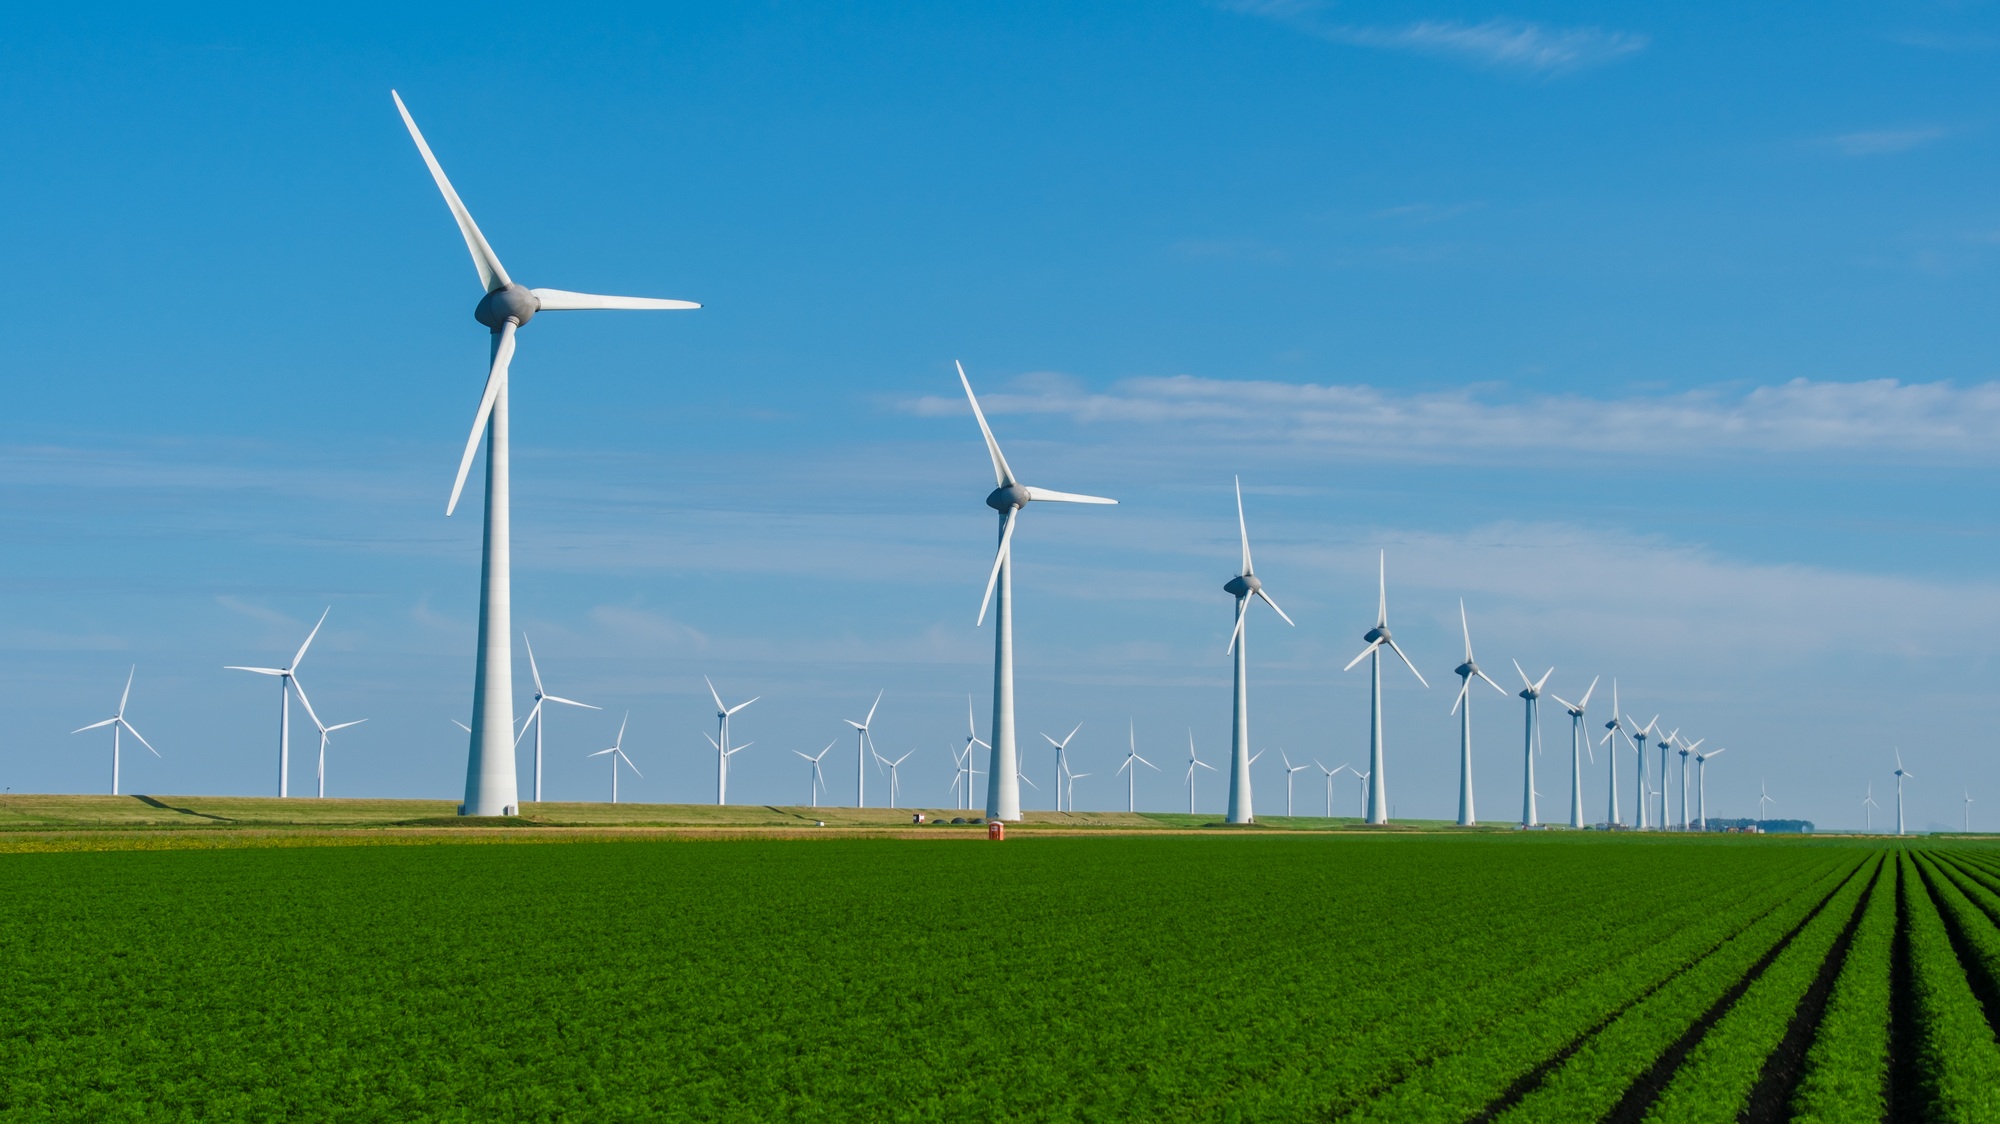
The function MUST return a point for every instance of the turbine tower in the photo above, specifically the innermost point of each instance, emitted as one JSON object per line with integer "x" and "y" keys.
{"x": 1378, "y": 638}
{"x": 117, "y": 723}
{"x": 617, "y": 753}
{"x": 1531, "y": 740}
{"x": 1867, "y": 806}
{"x": 723, "y": 750}
{"x": 287, "y": 683}
{"x": 1638, "y": 739}
{"x": 1686, "y": 748}
{"x": 894, "y": 789}
{"x": 1666, "y": 746}
{"x": 1194, "y": 762}
{"x": 1132, "y": 781}
{"x": 1763, "y": 798}
{"x": 1243, "y": 587}
{"x": 535, "y": 715}
{"x": 818, "y": 778}
{"x": 1070, "y": 785}
{"x": 491, "y": 787}
{"x": 1701, "y": 787}
{"x": 863, "y": 746}
{"x": 972, "y": 739}
{"x": 325, "y": 732}
{"x": 1613, "y": 730}
{"x": 1462, "y": 706}
{"x": 1290, "y": 770}
{"x": 1579, "y": 744}
{"x": 1062, "y": 748}
{"x": 1330, "y": 774}
{"x": 1900, "y": 774}
{"x": 1008, "y": 498}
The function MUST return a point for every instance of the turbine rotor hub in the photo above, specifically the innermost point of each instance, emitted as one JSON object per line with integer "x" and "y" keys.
{"x": 1378, "y": 634}
{"x": 508, "y": 302}
{"x": 1243, "y": 585}
{"x": 1466, "y": 670}
{"x": 1010, "y": 496}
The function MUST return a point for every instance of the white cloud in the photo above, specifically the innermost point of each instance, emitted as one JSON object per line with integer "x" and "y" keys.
{"x": 1883, "y": 142}
{"x": 1496, "y": 43}
{"x": 1881, "y": 416}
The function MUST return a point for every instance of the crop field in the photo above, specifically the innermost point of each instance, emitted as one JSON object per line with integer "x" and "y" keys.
{"x": 1172, "y": 977}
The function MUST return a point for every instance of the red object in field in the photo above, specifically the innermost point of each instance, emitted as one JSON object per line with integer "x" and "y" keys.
{"x": 996, "y": 830}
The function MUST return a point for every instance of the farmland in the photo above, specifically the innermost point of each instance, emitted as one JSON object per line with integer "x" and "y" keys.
{"x": 1178, "y": 977}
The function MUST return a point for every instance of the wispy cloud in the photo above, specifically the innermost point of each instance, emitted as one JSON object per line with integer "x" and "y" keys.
{"x": 1497, "y": 43}
{"x": 1883, "y": 142}
{"x": 1801, "y": 416}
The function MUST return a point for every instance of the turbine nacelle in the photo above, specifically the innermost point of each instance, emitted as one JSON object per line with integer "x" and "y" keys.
{"x": 1377, "y": 635}
{"x": 1243, "y": 585}
{"x": 1466, "y": 670}
{"x": 508, "y": 302}
{"x": 1009, "y": 497}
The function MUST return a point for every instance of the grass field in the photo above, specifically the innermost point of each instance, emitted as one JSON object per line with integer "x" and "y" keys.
{"x": 1170, "y": 976}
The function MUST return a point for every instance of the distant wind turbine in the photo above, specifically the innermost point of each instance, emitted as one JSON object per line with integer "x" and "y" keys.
{"x": 491, "y": 787}
{"x": 617, "y": 754}
{"x": 1330, "y": 774}
{"x": 1290, "y": 771}
{"x": 1867, "y": 806}
{"x": 535, "y": 715}
{"x": 1900, "y": 774}
{"x": 1379, "y": 638}
{"x": 1061, "y": 748}
{"x": 288, "y": 683}
{"x": 1701, "y": 761}
{"x": 723, "y": 750}
{"x": 324, "y": 733}
{"x": 894, "y": 789}
{"x": 863, "y": 747}
{"x": 972, "y": 739}
{"x": 1613, "y": 730}
{"x": 1968, "y": 811}
{"x": 117, "y": 723}
{"x": 818, "y": 778}
{"x": 1462, "y": 706}
{"x": 1194, "y": 762}
{"x": 1360, "y": 792}
{"x": 1243, "y": 587}
{"x": 1069, "y": 784}
{"x": 1686, "y": 749}
{"x": 1763, "y": 798}
{"x": 1638, "y": 738}
{"x": 1579, "y": 744}
{"x": 1132, "y": 781}
{"x": 1531, "y": 740}
{"x": 1009, "y": 497}
{"x": 1665, "y": 822}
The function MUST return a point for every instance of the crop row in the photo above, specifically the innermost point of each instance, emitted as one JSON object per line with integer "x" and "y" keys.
{"x": 1846, "y": 1075}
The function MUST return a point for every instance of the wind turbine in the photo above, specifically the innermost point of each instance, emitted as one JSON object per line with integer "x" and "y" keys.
{"x": 1194, "y": 763}
{"x": 1763, "y": 798}
{"x": 1243, "y": 587}
{"x": 818, "y": 778}
{"x": 1900, "y": 774}
{"x": 617, "y": 752}
{"x": 893, "y": 788}
{"x": 1531, "y": 740}
{"x": 1579, "y": 744}
{"x": 1638, "y": 739}
{"x": 1686, "y": 748}
{"x": 1290, "y": 769}
{"x": 1070, "y": 784}
{"x": 1466, "y": 672}
{"x": 1330, "y": 774}
{"x": 721, "y": 740}
{"x": 287, "y": 683}
{"x": 972, "y": 739}
{"x": 1361, "y": 790}
{"x": 1062, "y": 747}
{"x": 1613, "y": 730}
{"x": 1378, "y": 638}
{"x": 1701, "y": 787}
{"x": 324, "y": 733}
{"x": 1968, "y": 811}
{"x": 117, "y": 723}
{"x": 535, "y": 715}
{"x": 1666, "y": 745}
{"x": 1008, "y": 498}
{"x": 863, "y": 746}
{"x": 1867, "y": 805}
{"x": 1132, "y": 782}
{"x": 490, "y": 783}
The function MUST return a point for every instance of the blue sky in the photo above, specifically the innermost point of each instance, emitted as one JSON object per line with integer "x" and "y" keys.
{"x": 1663, "y": 337}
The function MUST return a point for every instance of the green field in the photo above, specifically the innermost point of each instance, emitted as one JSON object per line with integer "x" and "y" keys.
{"x": 1066, "y": 977}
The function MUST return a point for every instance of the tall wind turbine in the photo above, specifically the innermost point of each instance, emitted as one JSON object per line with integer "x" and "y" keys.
{"x": 1194, "y": 762}
{"x": 1069, "y": 783}
{"x": 1867, "y": 808}
{"x": 1531, "y": 740}
{"x": 1579, "y": 744}
{"x": 1132, "y": 782}
{"x": 1613, "y": 730}
{"x": 535, "y": 715}
{"x": 818, "y": 778}
{"x": 1638, "y": 739}
{"x": 287, "y": 683}
{"x": 1763, "y": 798}
{"x": 617, "y": 754}
{"x": 1008, "y": 498}
{"x": 1062, "y": 748}
{"x": 1360, "y": 791}
{"x": 324, "y": 733}
{"x": 490, "y": 783}
{"x": 1666, "y": 747}
{"x": 1330, "y": 774}
{"x": 863, "y": 746}
{"x": 1378, "y": 638}
{"x": 1243, "y": 587}
{"x": 723, "y": 750}
{"x": 1462, "y": 706}
{"x": 1900, "y": 774}
{"x": 117, "y": 723}
{"x": 1701, "y": 787}
{"x": 894, "y": 789}
{"x": 1686, "y": 748}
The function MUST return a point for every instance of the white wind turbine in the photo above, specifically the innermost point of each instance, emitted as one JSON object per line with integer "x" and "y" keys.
{"x": 1462, "y": 706}
{"x": 535, "y": 714}
{"x": 1701, "y": 787}
{"x": 1900, "y": 774}
{"x": 721, "y": 741}
{"x": 1687, "y": 748}
{"x": 1531, "y": 740}
{"x": 894, "y": 789}
{"x": 490, "y": 783}
{"x": 617, "y": 754}
{"x": 1378, "y": 638}
{"x": 1867, "y": 806}
{"x": 1132, "y": 781}
{"x": 1638, "y": 739}
{"x": 818, "y": 778}
{"x": 1360, "y": 792}
{"x": 1061, "y": 748}
{"x": 1579, "y": 744}
{"x": 1194, "y": 762}
{"x": 1613, "y": 730}
{"x": 1330, "y": 774}
{"x": 1290, "y": 770}
{"x": 1008, "y": 498}
{"x": 1968, "y": 811}
{"x": 1666, "y": 744}
{"x": 863, "y": 747}
{"x": 1243, "y": 587}
{"x": 117, "y": 723}
{"x": 1763, "y": 798}
{"x": 1069, "y": 783}
{"x": 324, "y": 733}
{"x": 287, "y": 683}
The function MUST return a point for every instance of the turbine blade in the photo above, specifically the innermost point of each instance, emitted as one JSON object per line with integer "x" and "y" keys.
{"x": 1236, "y": 633}
{"x": 1525, "y": 681}
{"x": 258, "y": 670}
{"x": 1585, "y": 701}
{"x": 1543, "y": 681}
{"x": 713, "y": 695}
{"x": 871, "y": 711}
{"x": 1064, "y": 497}
{"x": 562, "y": 300}
{"x": 1002, "y": 475}
{"x": 496, "y": 378}
{"x": 96, "y": 725}
{"x": 532, "y": 669}
{"x": 127, "y": 696}
{"x": 1382, "y": 586}
{"x": 999, "y": 559}
{"x": 491, "y": 273}
{"x": 134, "y": 731}
{"x": 1243, "y": 528}
{"x": 309, "y": 639}
{"x": 345, "y": 725}
{"x": 461, "y": 725}
{"x": 569, "y": 702}
{"x": 1274, "y": 607}
{"x": 1408, "y": 664}
{"x": 1465, "y": 628}
{"x": 1463, "y": 689}
{"x": 741, "y": 705}
{"x": 1362, "y": 656}
{"x": 533, "y": 712}
{"x": 1489, "y": 679}
{"x": 1562, "y": 702}
{"x": 301, "y": 689}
